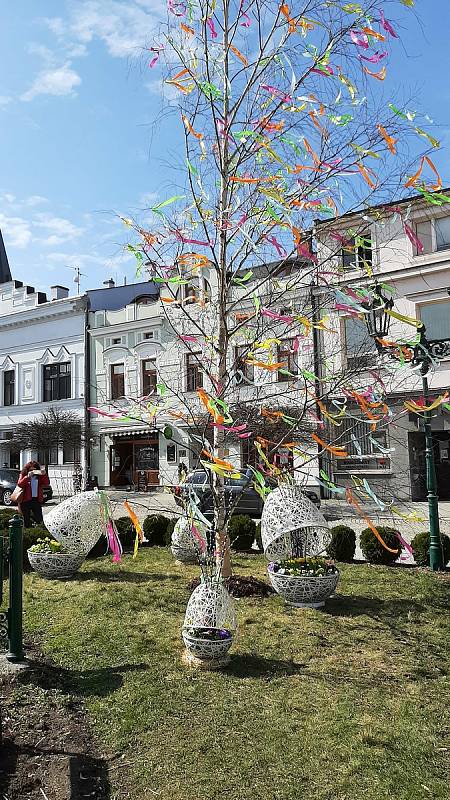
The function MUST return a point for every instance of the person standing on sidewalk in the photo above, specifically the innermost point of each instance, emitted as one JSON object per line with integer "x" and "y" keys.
{"x": 32, "y": 481}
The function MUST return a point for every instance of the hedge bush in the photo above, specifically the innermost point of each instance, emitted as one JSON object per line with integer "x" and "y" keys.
{"x": 343, "y": 543}
{"x": 158, "y": 529}
{"x": 126, "y": 531}
{"x": 241, "y": 530}
{"x": 421, "y": 545}
{"x": 373, "y": 550}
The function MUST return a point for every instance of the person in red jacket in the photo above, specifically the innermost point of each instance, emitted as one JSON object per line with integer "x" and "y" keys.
{"x": 32, "y": 480}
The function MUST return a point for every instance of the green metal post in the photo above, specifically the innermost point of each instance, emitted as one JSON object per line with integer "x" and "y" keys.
{"x": 433, "y": 508}
{"x": 16, "y": 652}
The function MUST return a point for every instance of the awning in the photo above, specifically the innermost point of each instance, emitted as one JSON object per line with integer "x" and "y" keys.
{"x": 121, "y": 433}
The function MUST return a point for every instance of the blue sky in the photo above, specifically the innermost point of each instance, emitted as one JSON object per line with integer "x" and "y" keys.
{"x": 78, "y": 137}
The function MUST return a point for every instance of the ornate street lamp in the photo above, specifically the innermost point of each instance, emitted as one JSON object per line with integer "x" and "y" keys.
{"x": 378, "y": 320}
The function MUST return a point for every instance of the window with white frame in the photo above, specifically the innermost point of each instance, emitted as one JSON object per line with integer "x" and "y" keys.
{"x": 436, "y": 318}
{"x": 356, "y": 252}
{"x": 360, "y": 348}
{"x": 366, "y": 449}
{"x": 9, "y": 384}
{"x": 433, "y": 234}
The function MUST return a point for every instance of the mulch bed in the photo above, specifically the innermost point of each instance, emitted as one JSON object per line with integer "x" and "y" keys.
{"x": 47, "y": 751}
{"x": 242, "y": 586}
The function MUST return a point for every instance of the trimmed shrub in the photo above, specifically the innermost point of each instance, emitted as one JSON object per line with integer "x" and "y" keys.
{"x": 373, "y": 550}
{"x": 421, "y": 545}
{"x": 126, "y": 531}
{"x": 241, "y": 530}
{"x": 156, "y": 529}
{"x": 343, "y": 543}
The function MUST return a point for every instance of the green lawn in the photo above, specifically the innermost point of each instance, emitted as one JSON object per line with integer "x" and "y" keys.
{"x": 346, "y": 704}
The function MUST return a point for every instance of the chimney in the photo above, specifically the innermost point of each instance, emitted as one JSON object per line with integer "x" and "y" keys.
{"x": 59, "y": 292}
{"x": 110, "y": 284}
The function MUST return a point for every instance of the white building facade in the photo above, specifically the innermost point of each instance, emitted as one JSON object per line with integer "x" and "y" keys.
{"x": 393, "y": 461}
{"x": 42, "y": 346}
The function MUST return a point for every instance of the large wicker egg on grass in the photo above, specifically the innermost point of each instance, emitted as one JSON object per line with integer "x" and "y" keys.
{"x": 293, "y": 528}
{"x": 210, "y": 622}
{"x": 76, "y": 523}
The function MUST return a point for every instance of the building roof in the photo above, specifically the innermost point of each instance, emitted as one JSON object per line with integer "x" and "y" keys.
{"x": 5, "y": 272}
{"x": 115, "y": 297}
{"x": 412, "y": 198}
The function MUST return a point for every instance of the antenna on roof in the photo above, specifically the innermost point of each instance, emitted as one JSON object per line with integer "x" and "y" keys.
{"x": 77, "y": 277}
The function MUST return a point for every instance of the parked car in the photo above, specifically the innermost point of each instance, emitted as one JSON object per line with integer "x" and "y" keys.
{"x": 239, "y": 490}
{"x": 8, "y": 482}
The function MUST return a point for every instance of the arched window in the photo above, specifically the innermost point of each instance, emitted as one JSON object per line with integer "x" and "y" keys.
{"x": 145, "y": 300}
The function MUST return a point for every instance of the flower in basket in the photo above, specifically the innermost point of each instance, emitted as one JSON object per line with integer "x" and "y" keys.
{"x": 211, "y": 634}
{"x": 312, "y": 566}
{"x": 46, "y": 545}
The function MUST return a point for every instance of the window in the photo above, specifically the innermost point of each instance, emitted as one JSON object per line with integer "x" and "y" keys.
{"x": 196, "y": 290}
{"x": 71, "y": 454}
{"x": 442, "y": 226}
{"x": 245, "y": 373}
{"x": 148, "y": 377}
{"x": 434, "y": 234}
{"x": 249, "y": 453}
{"x": 117, "y": 381}
{"x": 357, "y": 252}
{"x": 57, "y": 382}
{"x": 171, "y": 453}
{"x": 425, "y": 234}
{"x": 194, "y": 373}
{"x": 360, "y": 349}
{"x": 287, "y": 356}
{"x": 116, "y": 341}
{"x": 146, "y": 300}
{"x": 363, "y": 446}
{"x": 436, "y": 318}
{"x": 9, "y": 377}
{"x": 48, "y": 456}
{"x": 148, "y": 335}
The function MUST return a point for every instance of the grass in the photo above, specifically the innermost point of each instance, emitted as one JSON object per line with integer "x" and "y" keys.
{"x": 346, "y": 704}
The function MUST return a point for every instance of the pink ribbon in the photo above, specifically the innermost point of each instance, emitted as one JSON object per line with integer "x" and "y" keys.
{"x": 387, "y": 25}
{"x": 277, "y": 92}
{"x": 413, "y": 238}
{"x": 376, "y": 58}
{"x": 266, "y": 312}
{"x": 280, "y": 250}
{"x": 360, "y": 39}
{"x": 211, "y": 27}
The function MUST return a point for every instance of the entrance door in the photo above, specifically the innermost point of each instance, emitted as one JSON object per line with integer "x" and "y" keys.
{"x": 121, "y": 470}
{"x": 417, "y": 466}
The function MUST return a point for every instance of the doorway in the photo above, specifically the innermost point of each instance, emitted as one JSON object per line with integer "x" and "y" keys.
{"x": 417, "y": 466}
{"x": 135, "y": 463}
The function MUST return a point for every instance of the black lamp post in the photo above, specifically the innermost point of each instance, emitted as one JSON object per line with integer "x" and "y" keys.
{"x": 378, "y": 321}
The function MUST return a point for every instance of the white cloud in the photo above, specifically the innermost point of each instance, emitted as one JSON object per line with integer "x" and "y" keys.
{"x": 36, "y": 200}
{"x": 5, "y": 100}
{"x": 60, "y": 81}
{"x": 40, "y": 50}
{"x": 124, "y": 27}
{"x": 59, "y": 230}
{"x": 16, "y": 231}
{"x": 10, "y": 198}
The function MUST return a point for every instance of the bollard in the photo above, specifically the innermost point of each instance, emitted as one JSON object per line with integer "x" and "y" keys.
{"x": 15, "y": 652}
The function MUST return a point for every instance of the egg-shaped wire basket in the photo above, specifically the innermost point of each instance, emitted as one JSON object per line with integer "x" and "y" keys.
{"x": 76, "y": 523}
{"x": 292, "y": 526}
{"x": 183, "y": 544}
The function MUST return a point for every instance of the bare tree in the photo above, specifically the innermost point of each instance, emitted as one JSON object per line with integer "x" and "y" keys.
{"x": 54, "y": 428}
{"x": 284, "y": 122}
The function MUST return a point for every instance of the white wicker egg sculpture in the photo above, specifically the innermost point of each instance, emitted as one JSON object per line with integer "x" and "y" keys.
{"x": 76, "y": 523}
{"x": 210, "y": 606}
{"x": 291, "y": 525}
{"x": 183, "y": 545}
